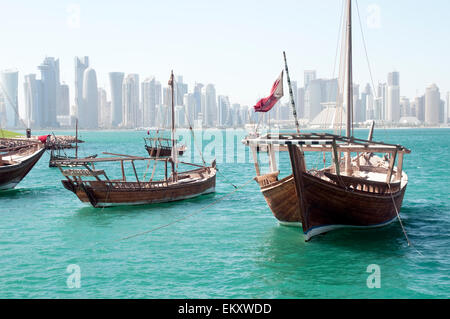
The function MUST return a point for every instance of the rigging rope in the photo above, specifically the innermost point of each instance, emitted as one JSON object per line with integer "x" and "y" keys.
{"x": 187, "y": 216}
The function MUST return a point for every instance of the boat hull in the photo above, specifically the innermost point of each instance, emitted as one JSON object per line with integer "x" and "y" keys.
{"x": 282, "y": 200}
{"x": 99, "y": 194}
{"x": 163, "y": 151}
{"x": 11, "y": 175}
{"x": 328, "y": 206}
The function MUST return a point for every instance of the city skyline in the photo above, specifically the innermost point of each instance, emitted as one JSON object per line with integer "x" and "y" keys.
{"x": 132, "y": 101}
{"x": 229, "y": 50}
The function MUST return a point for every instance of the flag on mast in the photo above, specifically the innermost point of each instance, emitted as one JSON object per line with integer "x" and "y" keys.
{"x": 267, "y": 103}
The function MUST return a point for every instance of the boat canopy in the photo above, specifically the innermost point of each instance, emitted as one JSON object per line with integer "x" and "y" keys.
{"x": 323, "y": 142}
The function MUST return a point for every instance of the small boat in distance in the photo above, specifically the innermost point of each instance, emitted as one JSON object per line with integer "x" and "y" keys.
{"x": 363, "y": 191}
{"x": 59, "y": 156}
{"x": 17, "y": 158}
{"x": 94, "y": 186}
{"x": 161, "y": 147}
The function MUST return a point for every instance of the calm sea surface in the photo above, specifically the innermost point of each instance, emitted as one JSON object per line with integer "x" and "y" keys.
{"x": 233, "y": 249}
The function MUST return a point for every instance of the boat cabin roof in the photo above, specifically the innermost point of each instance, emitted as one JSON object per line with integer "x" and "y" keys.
{"x": 322, "y": 142}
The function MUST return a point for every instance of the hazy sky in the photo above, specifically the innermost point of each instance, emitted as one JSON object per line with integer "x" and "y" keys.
{"x": 237, "y": 45}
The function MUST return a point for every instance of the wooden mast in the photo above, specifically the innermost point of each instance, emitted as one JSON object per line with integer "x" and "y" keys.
{"x": 348, "y": 167}
{"x": 76, "y": 138}
{"x": 294, "y": 111}
{"x": 174, "y": 149}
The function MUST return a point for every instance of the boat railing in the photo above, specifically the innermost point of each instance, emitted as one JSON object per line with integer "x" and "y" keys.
{"x": 364, "y": 185}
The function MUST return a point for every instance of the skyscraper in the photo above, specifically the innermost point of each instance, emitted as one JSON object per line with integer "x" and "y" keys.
{"x": 447, "y": 109}
{"x": 148, "y": 93}
{"x": 130, "y": 97}
{"x": 300, "y": 103}
{"x": 198, "y": 99}
{"x": 210, "y": 106}
{"x": 104, "y": 109}
{"x": 313, "y": 99}
{"x": 393, "y": 97}
{"x": 50, "y": 90}
{"x": 9, "y": 81}
{"x": 88, "y": 114}
{"x": 116, "y": 82}
{"x": 420, "y": 108}
{"x": 63, "y": 107}
{"x": 33, "y": 101}
{"x": 432, "y": 104}
{"x": 309, "y": 75}
{"x": 223, "y": 105}
{"x": 81, "y": 64}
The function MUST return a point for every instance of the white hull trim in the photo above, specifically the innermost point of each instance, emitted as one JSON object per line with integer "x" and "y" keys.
{"x": 324, "y": 229}
{"x": 290, "y": 224}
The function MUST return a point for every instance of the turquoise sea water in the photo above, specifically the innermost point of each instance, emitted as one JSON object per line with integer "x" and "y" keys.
{"x": 233, "y": 249}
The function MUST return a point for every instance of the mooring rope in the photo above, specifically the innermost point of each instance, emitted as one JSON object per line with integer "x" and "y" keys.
{"x": 187, "y": 216}
{"x": 401, "y": 223}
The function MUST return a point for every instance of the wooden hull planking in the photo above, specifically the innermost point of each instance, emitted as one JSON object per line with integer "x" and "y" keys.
{"x": 98, "y": 194}
{"x": 11, "y": 175}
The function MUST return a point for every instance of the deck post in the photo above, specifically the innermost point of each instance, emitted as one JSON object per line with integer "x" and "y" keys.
{"x": 135, "y": 173}
{"x": 272, "y": 159}
{"x": 391, "y": 167}
{"x": 336, "y": 159}
{"x": 399, "y": 167}
{"x": 123, "y": 172}
{"x": 297, "y": 158}
{"x": 255, "y": 160}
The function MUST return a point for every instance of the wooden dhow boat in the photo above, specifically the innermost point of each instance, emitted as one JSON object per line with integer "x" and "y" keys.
{"x": 93, "y": 185}
{"x": 363, "y": 191}
{"x": 17, "y": 158}
{"x": 161, "y": 147}
{"x": 59, "y": 156}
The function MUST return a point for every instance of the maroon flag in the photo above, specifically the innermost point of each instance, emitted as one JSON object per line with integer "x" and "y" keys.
{"x": 266, "y": 104}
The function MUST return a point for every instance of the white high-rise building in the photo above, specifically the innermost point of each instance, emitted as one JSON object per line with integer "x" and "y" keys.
{"x": 223, "y": 104}
{"x": 189, "y": 103}
{"x": 309, "y": 75}
{"x": 130, "y": 97}
{"x": 9, "y": 81}
{"x": 393, "y": 98}
{"x": 115, "y": 85}
{"x": 149, "y": 95}
{"x": 210, "y": 106}
{"x": 63, "y": 107}
{"x": 81, "y": 64}
{"x": 432, "y": 104}
{"x": 88, "y": 113}
{"x": 447, "y": 109}
{"x": 104, "y": 109}
{"x": 313, "y": 99}
{"x": 32, "y": 93}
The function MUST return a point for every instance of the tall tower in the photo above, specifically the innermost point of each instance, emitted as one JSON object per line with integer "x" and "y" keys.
{"x": 81, "y": 64}
{"x": 393, "y": 97}
{"x": 149, "y": 95}
{"x": 9, "y": 81}
{"x": 32, "y": 89}
{"x": 130, "y": 97}
{"x": 432, "y": 104}
{"x": 88, "y": 114}
{"x": 309, "y": 75}
{"x": 115, "y": 83}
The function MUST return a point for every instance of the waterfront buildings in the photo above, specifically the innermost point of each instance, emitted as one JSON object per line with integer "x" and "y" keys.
{"x": 432, "y": 105}
{"x": 115, "y": 89}
{"x": 9, "y": 82}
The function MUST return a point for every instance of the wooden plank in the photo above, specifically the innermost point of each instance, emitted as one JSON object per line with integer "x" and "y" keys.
{"x": 123, "y": 172}
{"x": 399, "y": 167}
{"x": 255, "y": 160}
{"x": 391, "y": 167}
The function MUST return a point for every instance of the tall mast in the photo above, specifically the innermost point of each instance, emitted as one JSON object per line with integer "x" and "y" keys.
{"x": 174, "y": 149}
{"x": 294, "y": 111}
{"x": 349, "y": 71}
{"x": 348, "y": 161}
{"x": 76, "y": 138}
